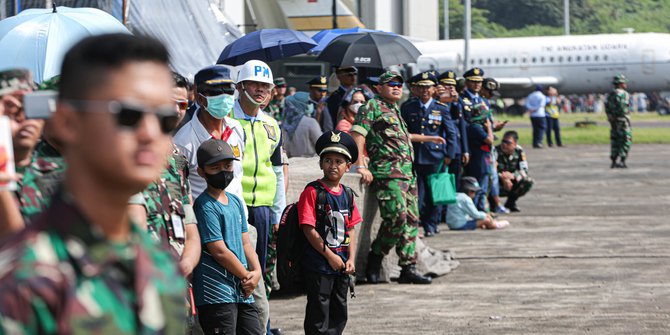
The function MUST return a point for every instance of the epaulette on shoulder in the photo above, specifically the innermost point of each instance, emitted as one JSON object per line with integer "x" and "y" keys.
{"x": 441, "y": 103}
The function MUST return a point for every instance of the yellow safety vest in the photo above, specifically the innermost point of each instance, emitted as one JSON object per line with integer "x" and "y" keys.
{"x": 261, "y": 138}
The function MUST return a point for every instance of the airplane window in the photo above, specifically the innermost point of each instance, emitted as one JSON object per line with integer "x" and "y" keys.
{"x": 497, "y": 60}
{"x": 524, "y": 60}
{"x": 596, "y": 57}
{"x": 569, "y": 59}
{"x": 534, "y": 59}
{"x": 488, "y": 61}
{"x": 504, "y": 60}
{"x": 481, "y": 61}
{"x": 560, "y": 59}
{"x": 551, "y": 59}
{"x": 604, "y": 57}
{"x": 587, "y": 58}
{"x": 472, "y": 62}
{"x": 514, "y": 60}
{"x": 578, "y": 58}
{"x": 542, "y": 59}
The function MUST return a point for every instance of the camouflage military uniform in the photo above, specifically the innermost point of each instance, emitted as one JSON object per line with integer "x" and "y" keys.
{"x": 516, "y": 164}
{"x": 617, "y": 109}
{"x": 40, "y": 180}
{"x": 276, "y": 108}
{"x": 391, "y": 156}
{"x": 61, "y": 276}
{"x": 168, "y": 202}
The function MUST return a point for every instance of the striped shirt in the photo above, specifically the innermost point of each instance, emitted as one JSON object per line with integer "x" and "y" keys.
{"x": 212, "y": 283}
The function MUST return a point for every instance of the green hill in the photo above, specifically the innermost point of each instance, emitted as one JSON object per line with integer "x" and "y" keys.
{"x": 511, "y": 18}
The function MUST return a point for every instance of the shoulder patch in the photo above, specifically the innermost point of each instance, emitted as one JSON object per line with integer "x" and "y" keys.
{"x": 272, "y": 134}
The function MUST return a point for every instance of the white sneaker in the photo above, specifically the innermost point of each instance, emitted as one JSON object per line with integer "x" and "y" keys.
{"x": 502, "y": 224}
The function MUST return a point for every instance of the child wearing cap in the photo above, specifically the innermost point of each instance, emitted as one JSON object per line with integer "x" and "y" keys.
{"x": 463, "y": 215}
{"x": 228, "y": 271}
{"x": 329, "y": 256}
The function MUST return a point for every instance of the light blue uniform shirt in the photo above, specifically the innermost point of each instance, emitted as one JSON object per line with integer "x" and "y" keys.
{"x": 212, "y": 283}
{"x": 535, "y": 104}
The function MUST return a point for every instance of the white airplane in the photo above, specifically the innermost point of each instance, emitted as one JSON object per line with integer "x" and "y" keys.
{"x": 574, "y": 64}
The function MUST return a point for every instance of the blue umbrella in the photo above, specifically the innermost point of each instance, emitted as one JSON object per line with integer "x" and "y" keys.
{"x": 266, "y": 45}
{"x": 37, "y": 39}
{"x": 324, "y": 37}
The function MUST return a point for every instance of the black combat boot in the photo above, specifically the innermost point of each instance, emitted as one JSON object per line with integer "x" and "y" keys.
{"x": 511, "y": 204}
{"x": 409, "y": 275}
{"x": 623, "y": 164}
{"x": 374, "y": 267}
{"x": 614, "y": 163}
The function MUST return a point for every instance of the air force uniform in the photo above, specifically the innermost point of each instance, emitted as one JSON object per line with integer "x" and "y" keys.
{"x": 433, "y": 119}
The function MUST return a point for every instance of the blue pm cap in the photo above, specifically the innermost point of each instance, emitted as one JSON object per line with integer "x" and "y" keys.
{"x": 213, "y": 75}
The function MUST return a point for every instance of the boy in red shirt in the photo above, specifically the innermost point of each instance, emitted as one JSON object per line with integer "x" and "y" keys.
{"x": 328, "y": 224}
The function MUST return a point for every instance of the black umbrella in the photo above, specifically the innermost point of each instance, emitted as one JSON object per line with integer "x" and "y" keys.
{"x": 375, "y": 50}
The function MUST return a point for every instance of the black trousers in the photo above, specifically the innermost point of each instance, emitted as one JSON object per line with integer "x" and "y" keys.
{"x": 326, "y": 311}
{"x": 231, "y": 318}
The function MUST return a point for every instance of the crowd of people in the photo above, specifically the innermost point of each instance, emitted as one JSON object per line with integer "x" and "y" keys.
{"x": 139, "y": 178}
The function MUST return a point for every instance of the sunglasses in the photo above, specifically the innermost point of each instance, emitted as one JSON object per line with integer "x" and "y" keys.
{"x": 214, "y": 91}
{"x": 129, "y": 115}
{"x": 394, "y": 84}
{"x": 182, "y": 104}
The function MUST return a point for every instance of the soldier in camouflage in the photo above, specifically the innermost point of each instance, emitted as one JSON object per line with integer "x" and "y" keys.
{"x": 83, "y": 267}
{"x": 276, "y": 106}
{"x": 618, "y": 115}
{"x": 379, "y": 128}
{"x": 46, "y": 171}
{"x": 512, "y": 170}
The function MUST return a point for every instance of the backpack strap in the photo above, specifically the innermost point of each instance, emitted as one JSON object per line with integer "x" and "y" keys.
{"x": 321, "y": 201}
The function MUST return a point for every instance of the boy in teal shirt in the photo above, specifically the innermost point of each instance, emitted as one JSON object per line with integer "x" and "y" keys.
{"x": 228, "y": 271}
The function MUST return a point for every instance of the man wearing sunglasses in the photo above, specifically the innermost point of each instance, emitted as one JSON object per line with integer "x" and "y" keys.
{"x": 380, "y": 129}
{"x": 213, "y": 104}
{"x": 83, "y": 266}
{"x": 512, "y": 170}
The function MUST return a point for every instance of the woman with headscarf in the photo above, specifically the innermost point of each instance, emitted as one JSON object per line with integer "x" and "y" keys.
{"x": 299, "y": 130}
{"x": 352, "y": 100}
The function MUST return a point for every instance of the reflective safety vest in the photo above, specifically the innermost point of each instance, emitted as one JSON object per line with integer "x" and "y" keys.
{"x": 261, "y": 138}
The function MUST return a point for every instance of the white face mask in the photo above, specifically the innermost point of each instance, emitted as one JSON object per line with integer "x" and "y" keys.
{"x": 354, "y": 108}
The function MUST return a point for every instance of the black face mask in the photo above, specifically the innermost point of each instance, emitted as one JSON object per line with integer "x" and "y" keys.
{"x": 220, "y": 180}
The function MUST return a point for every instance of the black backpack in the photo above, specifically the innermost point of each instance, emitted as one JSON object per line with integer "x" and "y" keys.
{"x": 291, "y": 241}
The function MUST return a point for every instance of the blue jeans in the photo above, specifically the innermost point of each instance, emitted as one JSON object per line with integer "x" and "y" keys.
{"x": 480, "y": 197}
{"x": 539, "y": 129}
{"x": 553, "y": 124}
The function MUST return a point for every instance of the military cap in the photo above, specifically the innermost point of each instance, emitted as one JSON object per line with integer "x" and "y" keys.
{"x": 388, "y": 76}
{"x": 346, "y": 69}
{"x": 337, "y": 142}
{"x": 448, "y": 78}
{"x": 320, "y": 82}
{"x": 280, "y": 81}
{"x": 491, "y": 85}
{"x": 426, "y": 78}
{"x": 213, "y": 151}
{"x": 14, "y": 80}
{"x": 213, "y": 75}
{"x": 619, "y": 79}
{"x": 474, "y": 74}
{"x": 470, "y": 184}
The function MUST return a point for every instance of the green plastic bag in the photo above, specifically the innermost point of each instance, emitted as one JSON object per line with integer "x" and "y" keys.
{"x": 442, "y": 187}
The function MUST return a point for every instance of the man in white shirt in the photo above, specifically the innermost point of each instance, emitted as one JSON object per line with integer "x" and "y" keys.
{"x": 535, "y": 106}
{"x": 214, "y": 97}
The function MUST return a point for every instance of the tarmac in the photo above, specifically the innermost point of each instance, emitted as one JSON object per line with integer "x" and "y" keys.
{"x": 588, "y": 254}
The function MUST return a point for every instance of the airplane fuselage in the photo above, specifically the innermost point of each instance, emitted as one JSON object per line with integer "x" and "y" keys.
{"x": 574, "y": 64}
